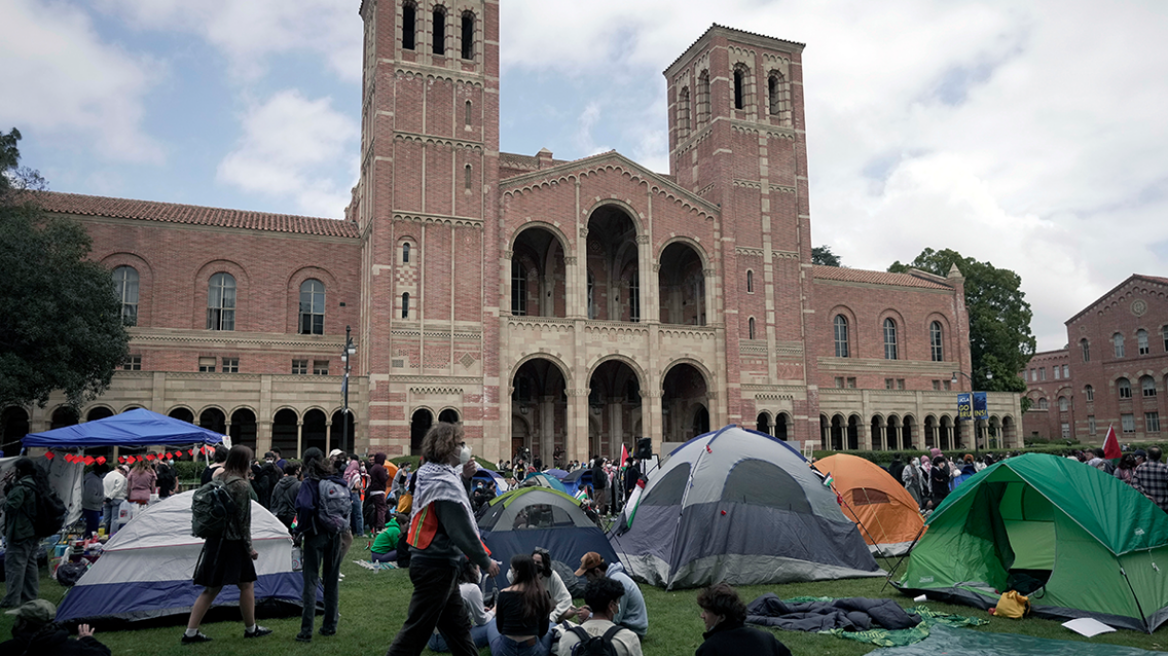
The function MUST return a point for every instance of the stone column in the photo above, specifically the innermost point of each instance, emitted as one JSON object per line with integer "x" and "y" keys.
{"x": 263, "y": 435}
{"x": 615, "y": 425}
{"x": 883, "y": 432}
{"x": 576, "y": 443}
{"x": 547, "y": 429}
{"x": 328, "y": 436}
{"x": 300, "y": 439}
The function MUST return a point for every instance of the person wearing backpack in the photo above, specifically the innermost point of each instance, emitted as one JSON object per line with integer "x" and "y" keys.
{"x": 228, "y": 558}
{"x": 22, "y": 576}
{"x": 726, "y": 634}
{"x": 322, "y": 517}
{"x": 600, "y": 636}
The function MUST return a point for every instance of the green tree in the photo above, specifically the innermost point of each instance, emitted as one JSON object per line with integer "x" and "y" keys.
{"x": 61, "y": 328}
{"x": 1000, "y": 341}
{"x": 823, "y": 255}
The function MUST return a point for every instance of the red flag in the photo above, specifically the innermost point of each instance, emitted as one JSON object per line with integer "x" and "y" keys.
{"x": 624, "y": 455}
{"x": 1111, "y": 450}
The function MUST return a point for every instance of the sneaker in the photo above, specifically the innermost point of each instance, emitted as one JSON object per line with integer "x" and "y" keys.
{"x": 303, "y": 637}
{"x": 259, "y": 631}
{"x": 340, "y": 577}
{"x": 327, "y": 632}
{"x": 198, "y": 637}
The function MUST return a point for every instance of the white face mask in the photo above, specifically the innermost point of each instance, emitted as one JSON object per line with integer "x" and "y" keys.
{"x": 464, "y": 454}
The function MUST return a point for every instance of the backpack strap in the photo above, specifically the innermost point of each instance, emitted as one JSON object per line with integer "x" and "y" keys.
{"x": 583, "y": 635}
{"x": 611, "y": 633}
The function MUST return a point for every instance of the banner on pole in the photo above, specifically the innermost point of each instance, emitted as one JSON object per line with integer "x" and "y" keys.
{"x": 980, "y": 408}
{"x": 964, "y": 407}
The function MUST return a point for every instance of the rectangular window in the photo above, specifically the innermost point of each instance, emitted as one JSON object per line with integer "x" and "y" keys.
{"x": 300, "y": 367}
{"x": 207, "y": 365}
{"x": 1066, "y": 371}
{"x": 1129, "y": 423}
{"x": 1042, "y": 373}
{"x": 936, "y": 386}
{"x": 1091, "y": 424}
{"x": 899, "y": 383}
{"x": 132, "y": 363}
{"x": 1057, "y": 373}
{"x": 1066, "y": 431}
{"x": 839, "y": 382}
{"x": 1034, "y": 375}
{"x": 230, "y": 365}
{"x": 945, "y": 384}
{"x": 851, "y": 383}
{"x": 320, "y": 367}
{"x": 889, "y": 383}
{"x": 1152, "y": 422}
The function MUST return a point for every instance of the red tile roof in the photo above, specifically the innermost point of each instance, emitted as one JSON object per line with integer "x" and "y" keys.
{"x": 875, "y": 277}
{"x": 125, "y": 208}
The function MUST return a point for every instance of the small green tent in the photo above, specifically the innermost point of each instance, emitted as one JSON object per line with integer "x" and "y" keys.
{"x": 1101, "y": 546}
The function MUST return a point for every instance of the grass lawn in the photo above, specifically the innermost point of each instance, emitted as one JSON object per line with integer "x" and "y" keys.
{"x": 373, "y": 607}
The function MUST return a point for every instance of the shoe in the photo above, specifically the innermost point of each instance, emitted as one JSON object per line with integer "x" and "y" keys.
{"x": 259, "y": 632}
{"x": 327, "y": 632}
{"x": 340, "y": 577}
{"x": 198, "y": 637}
{"x": 303, "y": 637}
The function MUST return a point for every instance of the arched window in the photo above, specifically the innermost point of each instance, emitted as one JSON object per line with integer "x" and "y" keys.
{"x": 126, "y": 289}
{"x": 439, "y": 30}
{"x": 518, "y": 289}
{"x": 467, "y": 174}
{"x": 750, "y": 327}
{"x": 938, "y": 351}
{"x": 841, "y": 336}
{"x": 406, "y": 305}
{"x": 405, "y": 253}
{"x": 1089, "y": 394}
{"x": 703, "y": 97}
{"x": 312, "y": 307}
{"x": 1124, "y": 387}
{"x": 1086, "y": 346}
{"x": 683, "y": 112}
{"x": 889, "y": 339}
{"x": 1142, "y": 341}
{"x": 1063, "y": 405}
{"x": 221, "y": 302}
{"x": 1117, "y": 339}
{"x": 467, "y": 117}
{"x": 409, "y": 25}
{"x": 778, "y": 96}
{"x": 1148, "y": 386}
{"x": 1043, "y": 405}
{"x": 468, "y": 23}
{"x": 739, "y": 88}
{"x": 749, "y": 282}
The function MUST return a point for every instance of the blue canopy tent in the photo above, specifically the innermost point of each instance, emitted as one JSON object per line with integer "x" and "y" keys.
{"x": 139, "y": 427}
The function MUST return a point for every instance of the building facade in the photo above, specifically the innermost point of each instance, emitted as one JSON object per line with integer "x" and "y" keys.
{"x": 1113, "y": 372}
{"x": 566, "y": 307}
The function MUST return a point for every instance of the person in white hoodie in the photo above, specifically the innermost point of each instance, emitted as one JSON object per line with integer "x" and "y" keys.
{"x": 115, "y": 488}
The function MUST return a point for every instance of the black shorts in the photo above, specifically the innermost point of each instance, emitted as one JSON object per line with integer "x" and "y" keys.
{"x": 224, "y": 562}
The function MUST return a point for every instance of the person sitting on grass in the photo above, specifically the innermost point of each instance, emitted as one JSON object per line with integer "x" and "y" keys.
{"x": 632, "y": 613}
{"x": 602, "y": 596}
{"x": 384, "y": 548}
{"x": 33, "y": 632}
{"x": 521, "y": 626}
{"x": 726, "y": 634}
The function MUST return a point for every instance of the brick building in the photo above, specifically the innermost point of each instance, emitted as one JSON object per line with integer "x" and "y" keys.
{"x": 1114, "y": 370}
{"x": 561, "y": 306}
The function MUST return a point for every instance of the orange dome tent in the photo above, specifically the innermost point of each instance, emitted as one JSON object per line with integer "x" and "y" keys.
{"x": 886, "y": 514}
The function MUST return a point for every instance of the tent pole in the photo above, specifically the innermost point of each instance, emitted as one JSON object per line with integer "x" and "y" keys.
{"x": 1143, "y": 618}
{"x": 906, "y": 555}
{"x": 858, "y": 522}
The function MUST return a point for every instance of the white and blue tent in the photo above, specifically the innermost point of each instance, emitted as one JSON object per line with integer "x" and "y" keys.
{"x": 147, "y": 569}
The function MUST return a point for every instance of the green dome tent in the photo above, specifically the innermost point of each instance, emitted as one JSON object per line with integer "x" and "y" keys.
{"x": 1100, "y": 546}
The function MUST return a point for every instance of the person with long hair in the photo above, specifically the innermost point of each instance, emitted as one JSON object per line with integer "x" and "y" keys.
{"x": 441, "y": 532}
{"x": 227, "y": 559}
{"x": 521, "y": 613}
{"x": 141, "y": 482}
{"x": 320, "y": 549}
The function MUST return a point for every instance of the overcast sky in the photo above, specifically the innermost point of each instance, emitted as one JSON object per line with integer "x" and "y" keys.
{"x": 1030, "y": 134}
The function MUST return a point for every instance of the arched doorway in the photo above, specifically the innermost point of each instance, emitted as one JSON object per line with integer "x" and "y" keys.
{"x": 614, "y": 401}
{"x": 448, "y": 416}
{"x": 182, "y": 414}
{"x": 420, "y": 423}
{"x": 853, "y": 432}
{"x": 98, "y": 413}
{"x": 892, "y": 433}
{"x": 63, "y": 416}
{"x": 285, "y": 432}
{"x": 824, "y": 433}
{"x": 782, "y": 426}
{"x": 930, "y": 432}
{"x": 1009, "y": 436}
{"x": 701, "y": 421}
{"x": 906, "y": 432}
{"x": 878, "y": 441}
{"x": 682, "y": 285}
{"x": 243, "y": 430}
{"x": 613, "y": 267}
{"x": 13, "y": 427}
{"x": 213, "y": 419}
{"x": 539, "y": 410}
{"x": 683, "y": 389}
{"x": 338, "y": 438}
{"x": 538, "y": 275}
{"x": 762, "y": 423}
{"x": 314, "y": 430}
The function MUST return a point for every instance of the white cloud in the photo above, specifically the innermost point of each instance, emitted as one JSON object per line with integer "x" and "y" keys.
{"x": 294, "y": 147}
{"x": 59, "y": 77}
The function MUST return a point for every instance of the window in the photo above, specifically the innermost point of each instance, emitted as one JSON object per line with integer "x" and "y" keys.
{"x": 1033, "y": 375}
{"x": 468, "y": 24}
{"x": 1043, "y": 404}
{"x": 320, "y": 367}
{"x": 439, "y": 30}
{"x": 126, "y": 289}
{"x": 1063, "y": 405}
{"x": 221, "y": 302}
{"x": 839, "y": 382}
{"x": 749, "y": 282}
{"x": 1129, "y": 423}
{"x": 405, "y": 253}
{"x": 1152, "y": 422}
{"x": 899, "y": 383}
{"x": 1057, "y": 373}
{"x": 518, "y": 290}
{"x": 1117, "y": 339}
{"x": 938, "y": 351}
{"x": 889, "y": 383}
{"x": 683, "y": 120}
{"x": 1089, "y": 393}
{"x": 1086, "y": 346}
{"x": 1042, "y": 373}
{"x": 778, "y": 100}
{"x": 889, "y": 339}
{"x": 739, "y": 88}
{"x": 230, "y": 365}
{"x": 945, "y": 384}
{"x": 409, "y": 27}
{"x": 851, "y": 383}
{"x": 750, "y": 327}
{"x": 635, "y": 297}
{"x": 1124, "y": 388}
{"x": 207, "y": 365}
{"x": 406, "y": 305}
{"x": 841, "y": 336}
{"x": 467, "y": 175}
{"x": 936, "y": 386}
{"x": 132, "y": 363}
{"x": 467, "y": 114}
{"x": 1066, "y": 371}
{"x": 312, "y": 307}
{"x": 1066, "y": 431}
{"x": 703, "y": 97}
{"x": 1148, "y": 386}
{"x": 1142, "y": 341}
{"x": 1091, "y": 428}
{"x": 300, "y": 367}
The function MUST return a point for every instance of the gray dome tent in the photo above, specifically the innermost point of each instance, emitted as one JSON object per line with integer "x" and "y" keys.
{"x": 741, "y": 507}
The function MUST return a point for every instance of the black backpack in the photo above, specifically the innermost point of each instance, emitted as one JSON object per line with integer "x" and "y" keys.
{"x": 591, "y": 645}
{"x": 211, "y": 509}
{"x": 50, "y": 511}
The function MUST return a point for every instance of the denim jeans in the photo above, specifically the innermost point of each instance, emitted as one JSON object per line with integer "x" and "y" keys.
{"x": 110, "y": 515}
{"x": 477, "y": 633}
{"x": 320, "y": 550}
{"x": 501, "y": 645}
{"x": 22, "y": 573}
{"x": 356, "y": 519}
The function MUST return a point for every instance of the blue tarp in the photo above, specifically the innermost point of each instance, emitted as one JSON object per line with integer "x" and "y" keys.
{"x": 139, "y": 427}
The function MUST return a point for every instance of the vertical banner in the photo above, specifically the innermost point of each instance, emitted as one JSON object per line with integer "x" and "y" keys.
{"x": 964, "y": 407}
{"x": 980, "y": 410}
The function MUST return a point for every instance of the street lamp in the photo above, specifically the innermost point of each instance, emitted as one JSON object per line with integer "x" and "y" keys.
{"x": 349, "y": 349}
{"x": 989, "y": 376}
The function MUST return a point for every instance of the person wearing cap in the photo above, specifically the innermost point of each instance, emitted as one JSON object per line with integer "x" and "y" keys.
{"x": 632, "y": 613}
{"x": 33, "y": 632}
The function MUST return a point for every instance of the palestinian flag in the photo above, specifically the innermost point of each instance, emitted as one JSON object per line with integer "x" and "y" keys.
{"x": 633, "y": 502}
{"x": 1111, "y": 450}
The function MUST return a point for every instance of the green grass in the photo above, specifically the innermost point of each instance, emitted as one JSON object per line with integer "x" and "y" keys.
{"x": 373, "y": 607}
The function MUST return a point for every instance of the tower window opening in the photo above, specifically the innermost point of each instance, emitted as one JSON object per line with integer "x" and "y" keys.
{"x": 468, "y": 21}
{"x": 409, "y": 25}
{"x": 439, "y": 31}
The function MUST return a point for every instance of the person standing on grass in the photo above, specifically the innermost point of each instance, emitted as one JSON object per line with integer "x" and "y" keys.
{"x": 219, "y": 458}
{"x": 600, "y": 485}
{"x": 321, "y": 548}
{"x": 284, "y": 494}
{"x": 92, "y": 498}
{"x": 378, "y": 481}
{"x": 726, "y": 634}
{"x": 442, "y": 531}
{"x": 1151, "y": 478}
{"x": 228, "y": 559}
{"x": 115, "y": 489}
{"x": 21, "y": 574}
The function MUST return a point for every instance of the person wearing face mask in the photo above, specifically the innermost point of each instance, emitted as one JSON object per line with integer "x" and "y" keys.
{"x": 726, "y": 634}
{"x": 442, "y": 530}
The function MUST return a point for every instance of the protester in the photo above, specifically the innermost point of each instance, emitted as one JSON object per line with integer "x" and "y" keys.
{"x": 378, "y": 481}
{"x": 521, "y": 613}
{"x": 21, "y": 574}
{"x": 265, "y": 475}
{"x": 384, "y": 547}
{"x": 353, "y": 480}
{"x": 1126, "y": 468}
{"x": 602, "y": 597}
{"x": 219, "y": 458}
{"x": 1151, "y": 478}
{"x": 93, "y": 498}
{"x": 632, "y": 475}
{"x": 35, "y": 634}
{"x": 141, "y": 483}
{"x": 280, "y": 461}
{"x": 911, "y": 477}
{"x": 600, "y": 485}
{"x": 167, "y": 480}
{"x": 472, "y": 598}
{"x": 726, "y": 634}
{"x": 632, "y": 613}
{"x": 321, "y": 548}
{"x": 284, "y": 494}
{"x": 562, "y": 608}
{"x": 115, "y": 489}
{"x": 228, "y": 559}
{"x": 443, "y": 530}
{"x": 940, "y": 478}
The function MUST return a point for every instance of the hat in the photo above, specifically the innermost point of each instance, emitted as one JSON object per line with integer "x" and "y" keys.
{"x": 39, "y": 611}
{"x": 1140, "y": 453}
{"x": 335, "y": 452}
{"x": 591, "y": 560}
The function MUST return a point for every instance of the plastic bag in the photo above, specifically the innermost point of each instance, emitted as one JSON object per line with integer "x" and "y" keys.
{"x": 1012, "y": 604}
